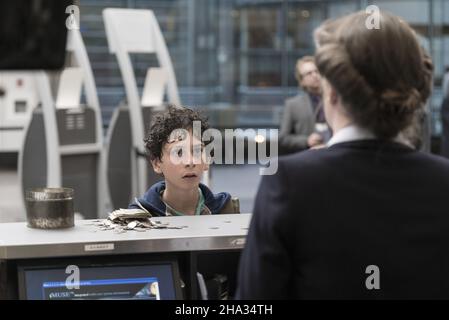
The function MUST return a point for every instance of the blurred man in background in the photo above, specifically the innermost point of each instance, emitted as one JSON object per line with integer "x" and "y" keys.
{"x": 304, "y": 125}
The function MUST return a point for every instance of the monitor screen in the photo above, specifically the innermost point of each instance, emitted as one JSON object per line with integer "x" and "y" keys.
{"x": 148, "y": 281}
{"x": 33, "y": 34}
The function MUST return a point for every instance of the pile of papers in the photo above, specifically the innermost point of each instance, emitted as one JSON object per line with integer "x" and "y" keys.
{"x": 124, "y": 215}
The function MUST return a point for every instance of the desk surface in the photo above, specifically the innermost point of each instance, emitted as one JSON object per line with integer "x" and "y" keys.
{"x": 214, "y": 232}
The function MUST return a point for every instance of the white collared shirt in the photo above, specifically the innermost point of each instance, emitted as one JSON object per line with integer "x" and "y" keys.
{"x": 353, "y": 133}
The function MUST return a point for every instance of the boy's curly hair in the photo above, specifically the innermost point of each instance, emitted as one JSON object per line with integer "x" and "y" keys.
{"x": 165, "y": 123}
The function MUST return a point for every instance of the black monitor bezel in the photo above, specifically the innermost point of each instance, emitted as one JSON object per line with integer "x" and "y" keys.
{"x": 97, "y": 261}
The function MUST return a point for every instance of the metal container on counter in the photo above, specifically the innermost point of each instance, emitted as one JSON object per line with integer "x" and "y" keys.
{"x": 50, "y": 208}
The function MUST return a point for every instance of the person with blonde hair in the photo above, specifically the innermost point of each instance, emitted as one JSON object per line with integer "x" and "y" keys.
{"x": 303, "y": 124}
{"x": 367, "y": 217}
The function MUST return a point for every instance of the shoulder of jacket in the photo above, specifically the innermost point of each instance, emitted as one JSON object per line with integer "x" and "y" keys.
{"x": 300, "y": 100}
{"x": 296, "y": 98}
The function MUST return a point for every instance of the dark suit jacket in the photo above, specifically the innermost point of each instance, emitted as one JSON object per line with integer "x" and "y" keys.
{"x": 330, "y": 213}
{"x": 298, "y": 122}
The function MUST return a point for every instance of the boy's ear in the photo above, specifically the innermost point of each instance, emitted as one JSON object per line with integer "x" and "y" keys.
{"x": 156, "y": 163}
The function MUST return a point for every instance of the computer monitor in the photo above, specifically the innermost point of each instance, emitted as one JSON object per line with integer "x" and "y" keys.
{"x": 33, "y": 34}
{"x": 155, "y": 280}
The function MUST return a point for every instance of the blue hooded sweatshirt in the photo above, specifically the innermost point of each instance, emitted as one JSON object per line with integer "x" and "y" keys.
{"x": 152, "y": 201}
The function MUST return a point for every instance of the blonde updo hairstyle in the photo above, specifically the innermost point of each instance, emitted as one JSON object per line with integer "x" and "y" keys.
{"x": 383, "y": 76}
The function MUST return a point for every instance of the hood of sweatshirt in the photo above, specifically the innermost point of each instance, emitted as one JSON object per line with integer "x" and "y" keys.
{"x": 152, "y": 201}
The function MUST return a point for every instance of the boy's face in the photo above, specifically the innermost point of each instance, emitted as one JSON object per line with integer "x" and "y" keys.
{"x": 182, "y": 162}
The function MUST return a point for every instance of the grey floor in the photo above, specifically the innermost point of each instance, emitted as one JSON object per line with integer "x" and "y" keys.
{"x": 239, "y": 180}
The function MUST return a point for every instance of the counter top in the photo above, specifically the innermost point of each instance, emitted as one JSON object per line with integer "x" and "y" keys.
{"x": 214, "y": 232}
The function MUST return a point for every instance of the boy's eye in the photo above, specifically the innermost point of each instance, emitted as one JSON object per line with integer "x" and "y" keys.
{"x": 177, "y": 151}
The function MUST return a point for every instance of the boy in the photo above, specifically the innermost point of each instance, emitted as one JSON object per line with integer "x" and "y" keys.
{"x": 174, "y": 152}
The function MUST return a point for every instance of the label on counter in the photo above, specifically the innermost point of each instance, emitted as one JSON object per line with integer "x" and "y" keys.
{"x": 99, "y": 247}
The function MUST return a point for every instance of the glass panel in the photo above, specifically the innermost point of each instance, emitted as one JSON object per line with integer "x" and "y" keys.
{"x": 260, "y": 28}
{"x": 241, "y": 54}
{"x": 259, "y": 46}
{"x": 302, "y": 19}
